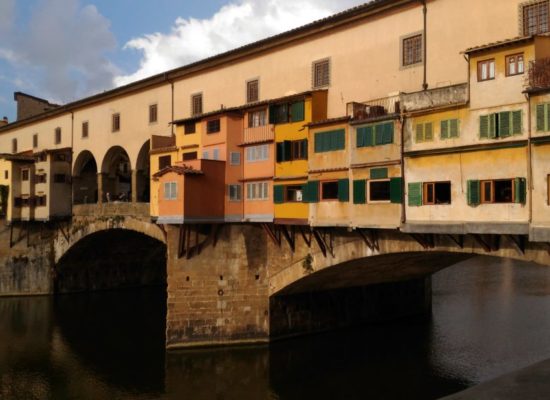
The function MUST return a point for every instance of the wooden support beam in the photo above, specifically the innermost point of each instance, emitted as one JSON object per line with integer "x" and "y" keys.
{"x": 458, "y": 240}
{"x": 181, "y": 241}
{"x": 216, "y": 230}
{"x": 188, "y": 242}
{"x": 320, "y": 242}
{"x": 289, "y": 235}
{"x": 28, "y": 229}
{"x": 366, "y": 238}
{"x": 306, "y": 236}
{"x": 65, "y": 234}
{"x": 486, "y": 246}
{"x": 424, "y": 240}
{"x": 518, "y": 242}
{"x": 273, "y": 233}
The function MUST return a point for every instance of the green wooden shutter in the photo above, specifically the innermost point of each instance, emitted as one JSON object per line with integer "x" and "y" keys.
{"x": 473, "y": 192}
{"x": 428, "y": 132}
{"x": 484, "y": 127}
{"x": 369, "y": 138}
{"x": 445, "y": 130}
{"x": 379, "y": 134}
{"x": 297, "y": 111}
{"x": 542, "y": 117}
{"x": 359, "y": 191}
{"x": 287, "y": 150}
{"x": 379, "y": 173}
{"x": 520, "y": 190}
{"x": 278, "y": 194}
{"x": 361, "y": 137}
{"x": 272, "y": 114}
{"x": 305, "y": 144}
{"x": 343, "y": 190}
{"x": 454, "y": 128}
{"x": 396, "y": 190}
{"x": 493, "y": 126}
{"x": 318, "y": 142}
{"x": 517, "y": 127}
{"x": 339, "y": 139}
{"x": 504, "y": 126}
{"x": 415, "y": 194}
{"x": 419, "y": 133}
{"x": 311, "y": 192}
{"x": 388, "y": 133}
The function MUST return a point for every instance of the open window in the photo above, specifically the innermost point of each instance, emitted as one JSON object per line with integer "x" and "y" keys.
{"x": 379, "y": 190}
{"x": 329, "y": 190}
{"x": 294, "y": 194}
{"x": 437, "y": 193}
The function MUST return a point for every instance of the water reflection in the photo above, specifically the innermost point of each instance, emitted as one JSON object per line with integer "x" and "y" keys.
{"x": 489, "y": 317}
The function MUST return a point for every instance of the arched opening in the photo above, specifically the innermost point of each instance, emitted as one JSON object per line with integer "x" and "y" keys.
{"x": 111, "y": 259}
{"x": 116, "y": 175}
{"x": 85, "y": 179}
{"x": 142, "y": 174}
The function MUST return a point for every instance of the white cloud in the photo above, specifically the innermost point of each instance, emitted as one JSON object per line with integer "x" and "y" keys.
{"x": 234, "y": 25}
{"x": 62, "y": 49}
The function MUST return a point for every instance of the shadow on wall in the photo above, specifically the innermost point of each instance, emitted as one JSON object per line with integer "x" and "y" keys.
{"x": 111, "y": 259}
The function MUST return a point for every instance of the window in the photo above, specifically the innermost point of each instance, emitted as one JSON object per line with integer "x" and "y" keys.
{"x": 379, "y": 190}
{"x": 486, "y": 70}
{"x": 294, "y": 194}
{"x": 437, "y": 193}
{"x": 25, "y": 202}
{"x": 497, "y": 191}
{"x": 292, "y": 150}
{"x": 6, "y": 175}
{"x": 189, "y": 128}
{"x": 252, "y": 91}
{"x": 330, "y": 141}
{"x": 170, "y": 191}
{"x": 85, "y": 129}
{"x": 41, "y": 178}
{"x": 257, "y": 118}
{"x": 235, "y": 192}
{"x": 424, "y": 132}
{"x": 57, "y": 135}
{"x": 41, "y": 201}
{"x": 153, "y": 113}
{"x": 535, "y": 18}
{"x": 213, "y": 126}
{"x": 257, "y": 153}
{"x": 287, "y": 112}
{"x": 17, "y": 202}
{"x": 25, "y": 175}
{"x": 59, "y": 157}
{"x": 60, "y": 178}
{"x": 450, "y": 128}
{"x": 35, "y": 140}
{"x": 375, "y": 135}
{"x": 412, "y": 50}
{"x": 216, "y": 154}
{"x": 196, "y": 104}
{"x": 501, "y": 125}
{"x": 164, "y": 161}
{"x": 329, "y": 190}
{"x": 205, "y": 155}
{"x": 515, "y": 65}
{"x": 257, "y": 191}
{"x": 321, "y": 73}
{"x": 116, "y": 123}
{"x": 14, "y": 145}
{"x": 190, "y": 156}
{"x": 235, "y": 158}
{"x": 543, "y": 117}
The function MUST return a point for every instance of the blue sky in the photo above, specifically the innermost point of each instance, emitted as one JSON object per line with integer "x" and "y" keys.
{"x": 63, "y": 50}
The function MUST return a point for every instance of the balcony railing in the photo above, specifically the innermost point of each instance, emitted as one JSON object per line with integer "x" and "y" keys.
{"x": 375, "y": 109}
{"x": 539, "y": 74}
{"x": 435, "y": 98}
{"x": 259, "y": 134}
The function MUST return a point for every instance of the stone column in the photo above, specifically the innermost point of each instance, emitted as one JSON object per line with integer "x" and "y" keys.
{"x": 100, "y": 178}
{"x": 134, "y": 186}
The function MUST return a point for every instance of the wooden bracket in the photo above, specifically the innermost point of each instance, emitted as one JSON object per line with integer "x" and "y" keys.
{"x": 370, "y": 237}
{"x": 289, "y": 235}
{"x": 458, "y": 240}
{"x": 306, "y": 235}
{"x": 518, "y": 242}
{"x": 487, "y": 246}
{"x": 65, "y": 234}
{"x": 426, "y": 240}
{"x": 325, "y": 241}
{"x": 273, "y": 233}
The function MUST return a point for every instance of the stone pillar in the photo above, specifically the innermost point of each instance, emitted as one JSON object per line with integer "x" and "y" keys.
{"x": 134, "y": 185}
{"x": 100, "y": 179}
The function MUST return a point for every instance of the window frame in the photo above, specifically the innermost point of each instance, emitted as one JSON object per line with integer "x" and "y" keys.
{"x": 189, "y": 156}
{"x": 239, "y": 192}
{"x": 297, "y": 188}
{"x": 368, "y": 191}
{"x": 115, "y": 122}
{"x": 164, "y": 158}
{"x": 187, "y": 130}
{"x": 487, "y": 62}
{"x": 255, "y": 90}
{"x": 433, "y": 184}
{"x": 404, "y": 55}
{"x": 231, "y": 161}
{"x": 516, "y": 63}
{"x": 257, "y": 150}
{"x": 153, "y": 113}
{"x": 260, "y": 191}
{"x": 540, "y": 24}
{"x": 262, "y": 117}
{"x": 14, "y": 145}
{"x": 322, "y": 190}
{"x": 25, "y": 174}
{"x": 323, "y": 78}
{"x": 212, "y": 124}
{"x": 196, "y": 104}
{"x": 493, "y": 191}
{"x": 172, "y": 193}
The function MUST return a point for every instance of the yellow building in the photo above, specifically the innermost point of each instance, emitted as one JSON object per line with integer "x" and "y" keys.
{"x": 291, "y": 116}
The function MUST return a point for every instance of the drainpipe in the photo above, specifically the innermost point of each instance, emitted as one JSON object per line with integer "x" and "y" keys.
{"x": 530, "y": 184}
{"x": 72, "y": 160}
{"x": 425, "y": 48}
{"x": 403, "y": 199}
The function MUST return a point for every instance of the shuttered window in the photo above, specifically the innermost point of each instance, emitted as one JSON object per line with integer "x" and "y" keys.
{"x": 196, "y": 104}
{"x": 450, "y": 128}
{"x": 287, "y": 112}
{"x": 375, "y": 135}
{"x": 501, "y": 125}
{"x": 412, "y": 50}
{"x": 473, "y": 192}
{"x": 424, "y": 132}
{"x": 115, "y": 125}
{"x": 396, "y": 190}
{"x": 252, "y": 91}
{"x": 415, "y": 194}
{"x": 153, "y": 113}
{"x": 291, "y": 150}
{"x": 542, "y": 117}
{"x": 297, "y": 111}
{"x": 235, "y": 158}
{"x": 321, "y": 73}
{"x": 330, "y": 141}
{"x": 311, "y": 192}
{"x": 343, "y": 190}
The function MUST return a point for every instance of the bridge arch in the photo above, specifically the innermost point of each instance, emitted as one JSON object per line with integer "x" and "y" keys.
{"x": 142, "y": 174}
{"x": 85, "y": 179}
{"x": 116, "y": 175}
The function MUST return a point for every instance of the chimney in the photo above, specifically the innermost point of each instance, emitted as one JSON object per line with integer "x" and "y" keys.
{"x": 3, "y": 121}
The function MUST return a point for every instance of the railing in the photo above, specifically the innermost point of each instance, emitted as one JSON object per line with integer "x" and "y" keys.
{"x": 435, "y": 98}
{"x": 374, "y": 109}
{"x": 259, "y": 134}
{"x": 539, "y": 74}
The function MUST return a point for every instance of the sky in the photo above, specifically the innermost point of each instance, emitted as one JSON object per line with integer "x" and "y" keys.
{"x": 64, "y": 50}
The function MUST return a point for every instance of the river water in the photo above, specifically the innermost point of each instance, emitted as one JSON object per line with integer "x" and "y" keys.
{"x": 490, "y": 316}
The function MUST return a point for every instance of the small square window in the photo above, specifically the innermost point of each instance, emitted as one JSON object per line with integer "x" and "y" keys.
{"x": 515, "y": 65}
{"x": 85, "y": 129}
{"x": 412, "y": 50}
{"x": 294, "y": 194}
{"x": 321, "y": 73}
{"x": 329, "y": 190}
{"x": 196, "y": 104}
{"x": 116, "y": 122}
{"x": 379, "y": 190}
{"x": 486, "y": 70}
{"x": 170, "y": 191}
{"x": 213, "y": 126}
{"x": 235, "y": 158}
{"x": 164, "y": 161}
{"x": 189, "y": 128}
{"x": 252, "y": 91}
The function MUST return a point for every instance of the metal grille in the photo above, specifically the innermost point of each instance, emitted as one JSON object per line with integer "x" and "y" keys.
{"x": 412, "y": 50}
{"x": 535, "y": 18}
{"x": 321, "y": 73}
{"x": 196, "y": 104}
{"x": 252, "y": 91}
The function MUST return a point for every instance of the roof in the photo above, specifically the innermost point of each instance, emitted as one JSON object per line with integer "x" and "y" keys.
{"x": 335, "y": 21}
{"x": 329, "y": 121}
{"x": 17, "y": 157}
{"x": 499, "y": 44}
{"x": 18, "y": 94}
{"x": 53, "y": 151}
{"x": 180, "y": 170}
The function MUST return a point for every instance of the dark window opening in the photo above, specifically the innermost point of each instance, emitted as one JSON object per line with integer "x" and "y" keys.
{"x": 189, "y": 128}
{"x": 190, "y": 156}
{"x": 59, "y": 178}
{"x": 213, "y": 126}
{"x": 25, "y": 175}
{"x": 116, "y": 123}
{"x": 196, "y": 104}
{"x": 85, "y": 128}
{"x": 153, "y": 113}
{"x": 57, "y": 135}
{"x": 437, "y": 193}
{"x": 165, "y": 161}
{"x": 329, "y": 190}
{"x": 294, "y": 194}
{"x": 379, "y": 191}
{"x": 504, "y": 192}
